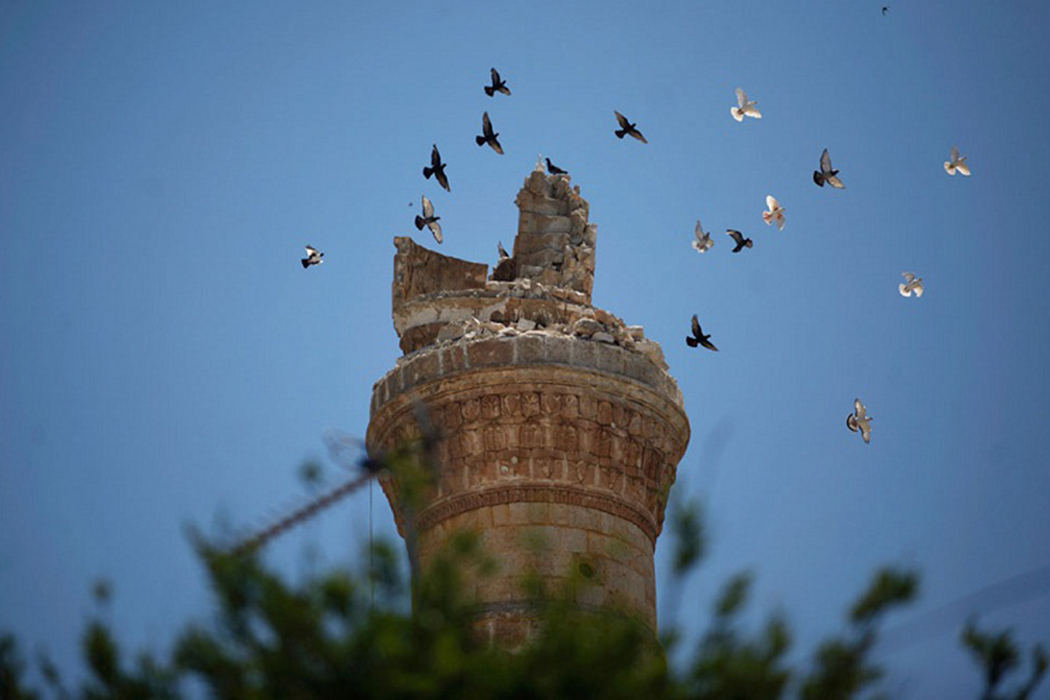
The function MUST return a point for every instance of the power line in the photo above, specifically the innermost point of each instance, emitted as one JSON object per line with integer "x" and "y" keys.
{"x": 1016, "y": 589}
{"x": 300, "y": 515}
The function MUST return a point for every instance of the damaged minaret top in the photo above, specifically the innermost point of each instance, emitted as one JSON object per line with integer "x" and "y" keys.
{"x": 555, "y": 244}
{"x": 554, "y": 419}
{"x": 544, "y": 286}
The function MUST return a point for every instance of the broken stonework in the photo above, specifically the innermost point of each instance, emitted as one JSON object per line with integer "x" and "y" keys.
{"x": 555, "y": 243}
{"x": 545, "y": 285}
{"x": 551, "y": 414}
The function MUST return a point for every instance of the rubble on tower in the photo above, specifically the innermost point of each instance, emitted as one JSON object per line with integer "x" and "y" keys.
{"x": 544, "y": 287}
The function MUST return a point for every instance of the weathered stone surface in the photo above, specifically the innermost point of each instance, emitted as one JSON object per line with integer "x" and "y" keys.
{"x": 558, "y": 423}
{"x": 419, "y": 271}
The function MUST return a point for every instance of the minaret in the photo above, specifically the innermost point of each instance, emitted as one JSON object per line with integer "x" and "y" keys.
{"x": 559, "y": 424}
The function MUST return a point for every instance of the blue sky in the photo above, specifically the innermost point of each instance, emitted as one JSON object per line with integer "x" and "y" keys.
{"x": 167, "y": 361}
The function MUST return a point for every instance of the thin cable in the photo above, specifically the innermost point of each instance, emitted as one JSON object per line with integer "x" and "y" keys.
{"x": 300, "y": 515}
{"x": 1020, "y": 588}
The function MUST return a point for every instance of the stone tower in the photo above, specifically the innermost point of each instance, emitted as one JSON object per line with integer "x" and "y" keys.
{"x": 558, "y": 423}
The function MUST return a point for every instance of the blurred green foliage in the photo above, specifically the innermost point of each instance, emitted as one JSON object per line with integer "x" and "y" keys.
{"x": 353, "y": 634}
{"x": 998, "y": 655}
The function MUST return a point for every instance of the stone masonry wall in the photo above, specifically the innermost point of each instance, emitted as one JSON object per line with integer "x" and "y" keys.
{"x": 560, "y": 427}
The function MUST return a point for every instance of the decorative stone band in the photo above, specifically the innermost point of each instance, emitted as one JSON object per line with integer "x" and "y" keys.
{"x": 537, "y": 418}
{"x": 538, "y": 493}
{"x": 532, "y": 348}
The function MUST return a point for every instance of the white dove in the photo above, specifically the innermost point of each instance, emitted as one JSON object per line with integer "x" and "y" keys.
{"x": 911, "y": 284}
{"x": 859, "y": 420}
{"x": 702, "y": 243}
{"x": 957, "y": 163}
{"x": 775, "y": 213}
{"x": 746, "y": 107}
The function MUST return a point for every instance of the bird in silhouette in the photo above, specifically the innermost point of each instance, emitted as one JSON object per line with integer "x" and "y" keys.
{"x": 860, "y": 420}
{"x": 826, "y": 173}
{"x": 313, "y": 257}
{"x": 885, "y": 9}
{"x": 429, "y": 220}
{"x": 957, "y": 163}
{"x": 702, "y": 241}
{"x": 627, "y": 128}
{"x": 554, "y": 169}
{"x": 698, "y": 337}
{"x": 741, "y": 242}
{"x": 911, "y": 285}
{"x": 775, "y": 213}
{"x": 487, "y": 135}
{"x": 745, "y": 108}
{"x": 497, "y": 85}
{"x": 437, "y": 169}
{"x": 501, "y": 250}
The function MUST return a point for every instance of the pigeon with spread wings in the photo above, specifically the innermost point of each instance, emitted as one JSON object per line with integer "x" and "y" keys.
{"x": 911, "y": 285}
{"x": 827, "y": 173}
{"x": 497, "y": 85}
{"x": 702, "y": 241}
{"x": 957, "y": 164}
{"x": 745, "y": 107}
{"x": 429, "y": 220}
{"x": 775, "y": 213}
{"x": 487, "y": 135}
{"x": 741, "y": 242}
{"x": 313, "y": 257}
{"x": 627, "y": 128}
{"x": 860, "y": 420}
{"x": 437, "y": 169}
{"x": 698, "y": 337}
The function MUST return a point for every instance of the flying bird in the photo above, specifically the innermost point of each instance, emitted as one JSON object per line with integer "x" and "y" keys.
{"x": 554, "y": 169}
{"x": 502, "y": 251}
{"x": 741, "y": 242}
{"x": 702, "y": 241}
{"x": 437, "y": 169}
{"x": 487, "y": 135}
{"x": 860, "y": 420}
{"x": 497, "y": 85}
{"x": 698, "y": 337}
{"x": 627, "y": 128}
{"x": 313, "y": 257}
{"x": 957, "y": 163}
{"x": 885, "y": 9}
{"x": 826, "y": 173}
{"x": 911, "y": 284}
{"x": 429, "y": 220}
{"x": 775, "y": 213}
{"x": 745, "y": 108}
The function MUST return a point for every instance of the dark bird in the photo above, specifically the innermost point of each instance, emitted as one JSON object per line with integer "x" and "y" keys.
{"x": 313, "y": 257}
{"x": 741, "y": 242}
{"x": 437, "y": 169}
{"x": 885, "y": 9}
{"x": 554, "y": 169}
{"x": 627, "y": 128}
{"x": 698, "y": 337}
{"x": 429, "y": 220}
{"x": 860, "y": 420}
{"x": 497, "y": 85}
{"x": 826, "y": 174}
{"x": 487, "y": 135}
{"x": 501, "y": 250}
